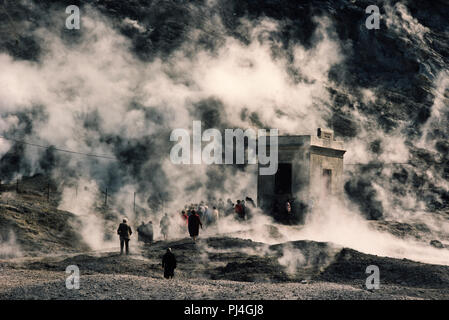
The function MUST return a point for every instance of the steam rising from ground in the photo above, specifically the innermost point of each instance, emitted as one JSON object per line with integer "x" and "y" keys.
{"x": 292, "y": 259}
{"x": 341, "y": 224}
{"x": 94, "y": 95}
{"x": 9, "y": 248}
{"x": 83, "y": 202}
{"x": 332, "y": 221}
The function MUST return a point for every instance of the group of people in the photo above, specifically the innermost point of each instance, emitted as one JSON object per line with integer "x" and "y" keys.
{"x": 168, "y": 260}
{"x": 241, "y": 210}
{"x": 208, "y": 216}
{"x": 145, "y": 231}
{"x": 195, "y": 216}
{"x": 201, "y": 215}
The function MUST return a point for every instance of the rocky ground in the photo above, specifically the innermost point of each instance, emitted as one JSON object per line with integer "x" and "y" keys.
{"x": 222, "y": 268}
{"x": 33, "y": 263}
{"x": 227, "y": 266}
{"x": 33, "y": 284}
{"x": 37, "y": 226}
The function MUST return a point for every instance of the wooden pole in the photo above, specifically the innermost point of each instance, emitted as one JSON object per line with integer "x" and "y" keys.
{"x": 17, "y": 185}
{"x": 134, "y": 207}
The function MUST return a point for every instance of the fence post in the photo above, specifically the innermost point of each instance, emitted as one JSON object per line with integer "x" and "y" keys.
{"x": 134, "y": 207}
{"x": 17, "y": 185}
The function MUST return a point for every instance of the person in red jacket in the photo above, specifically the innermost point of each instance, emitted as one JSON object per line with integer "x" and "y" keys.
{"x": 194, "y": 224}
{"x": 184, "y": 217}
{"x": 239, "y": 210}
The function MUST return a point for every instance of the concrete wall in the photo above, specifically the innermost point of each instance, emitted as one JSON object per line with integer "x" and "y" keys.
{"x": 293, "y": 150}
{"x": 309, "y": 156}
{"x": 320, "y": 159}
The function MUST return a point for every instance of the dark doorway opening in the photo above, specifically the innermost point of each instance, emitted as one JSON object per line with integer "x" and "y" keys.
{"x": 327, "y": 177}
{"x": 283, "y": 179}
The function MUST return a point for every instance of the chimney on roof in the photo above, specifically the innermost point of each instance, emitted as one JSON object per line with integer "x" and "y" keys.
{"x": 325, "y": 134}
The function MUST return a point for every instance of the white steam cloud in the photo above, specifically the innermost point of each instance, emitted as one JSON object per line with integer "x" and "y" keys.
{"x": 100, "y": 78}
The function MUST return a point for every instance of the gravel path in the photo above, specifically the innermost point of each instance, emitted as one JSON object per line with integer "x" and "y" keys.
{"x": 41, "y": 284}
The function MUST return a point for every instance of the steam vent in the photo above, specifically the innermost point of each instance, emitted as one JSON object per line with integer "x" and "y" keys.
{"x": 309, "y": 167}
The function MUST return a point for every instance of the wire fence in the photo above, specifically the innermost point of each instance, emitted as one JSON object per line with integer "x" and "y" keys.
{"x": 50, "y": 192}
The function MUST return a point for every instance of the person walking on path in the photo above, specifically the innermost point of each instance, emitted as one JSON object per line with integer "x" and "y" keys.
{"x": 169, "y": 264}
{"x": 125, "y": 232}
{"x": 194, "y": 224}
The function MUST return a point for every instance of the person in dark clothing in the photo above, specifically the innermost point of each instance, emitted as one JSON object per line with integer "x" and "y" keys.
{"x": 145, "y": 232}
{"x": 229, "y": 207}
{"x": 141, "y": 232}
{"x": 250, "y": 206}
{"x": 149, "y": 230}
{"x": 194, "y": 224}
{"x": 250, "y": 202}
{"x": 169, "y": 264}
{"x": 125, "y": 232}
{"x": 239, "y": 210}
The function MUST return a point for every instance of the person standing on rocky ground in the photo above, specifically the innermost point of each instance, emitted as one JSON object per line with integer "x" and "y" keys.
{"x": 215, "y": 215}
{"x": 140, "y": 232}
{"x": 125, "y": 232}
{"x": 215, "y": 218}
{"x": 164, "y": 225}
{"x": 184, "y": 221}
{"x": 145, "y": 232}
{"x": 288, "y": 207}
{"x": 229, "y": 208}
{"x": 184, "y": 217}
{"x": 250, "y": 206}
{"x": 201, "y": 210}
{"x": 194, "y": 224}
{"x": 221, "y": 205}
{"x": 238, "y": 209}
{"x": 169, "y": 264}
{"x": 149, "y": 229}
{"x": 208, "y": 219}
{"x": 250, "y": 202}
